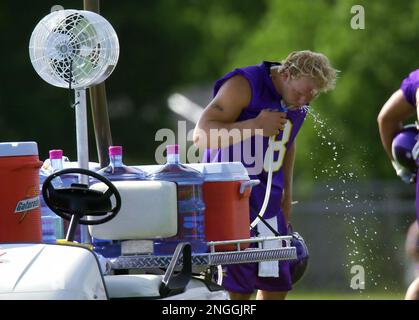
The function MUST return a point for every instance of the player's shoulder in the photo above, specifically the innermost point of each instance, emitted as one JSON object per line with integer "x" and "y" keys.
{"x": 414, "y": 73}
{"x": 412, "y": 77}
{"x": 237, "y": 83}
{"x": 256, "y": 72}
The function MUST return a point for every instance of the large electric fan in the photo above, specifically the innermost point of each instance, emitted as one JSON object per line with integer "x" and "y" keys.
{"x": 75, "y": 49}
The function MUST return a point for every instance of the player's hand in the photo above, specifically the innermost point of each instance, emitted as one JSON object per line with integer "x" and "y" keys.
{"x": 404, "y": 174}
{"x": 271, "y": 122}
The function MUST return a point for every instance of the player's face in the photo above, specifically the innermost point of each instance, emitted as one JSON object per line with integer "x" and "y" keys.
{"x": 298, "y": 92}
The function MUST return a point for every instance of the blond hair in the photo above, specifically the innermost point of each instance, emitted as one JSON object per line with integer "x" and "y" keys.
{"x": 313, "y": 65}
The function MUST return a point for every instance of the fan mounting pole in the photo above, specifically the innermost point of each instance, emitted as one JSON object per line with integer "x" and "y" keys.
{"x": 81, "y": 131}
{"x": 82, "y": 147}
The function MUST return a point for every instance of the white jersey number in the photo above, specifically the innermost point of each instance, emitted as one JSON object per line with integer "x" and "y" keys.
{"x": 279, "y": 149}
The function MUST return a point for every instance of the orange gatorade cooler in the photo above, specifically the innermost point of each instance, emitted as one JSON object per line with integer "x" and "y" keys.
{"x": 20, "y": 213}
{"x": 227, "y": 188}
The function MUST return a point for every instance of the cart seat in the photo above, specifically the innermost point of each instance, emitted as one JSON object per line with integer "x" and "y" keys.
{"x": 146, "y": 286}
{"x": 133, "y": 286}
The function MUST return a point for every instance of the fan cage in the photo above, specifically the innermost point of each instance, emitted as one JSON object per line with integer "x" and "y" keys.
{"x": 75, "y": 45}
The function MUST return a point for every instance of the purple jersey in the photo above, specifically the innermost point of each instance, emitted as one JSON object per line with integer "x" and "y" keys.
{"x": 252, "y": 152}
{"x": 417, "y": 196}
{"x": 409, "y": 87}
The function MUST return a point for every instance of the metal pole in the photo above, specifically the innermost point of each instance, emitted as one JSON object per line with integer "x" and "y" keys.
{"x": 81, "y": 132}
{"x": 99, "y": 106}
{"x": 82, "y": 148}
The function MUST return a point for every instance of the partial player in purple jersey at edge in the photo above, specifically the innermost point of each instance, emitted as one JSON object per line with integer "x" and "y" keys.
{"x": 401, "y": 105}
{"x": 251, "y": 101}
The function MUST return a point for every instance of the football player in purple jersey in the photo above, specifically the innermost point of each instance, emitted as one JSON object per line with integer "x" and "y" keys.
{"x": 258, "y": 102}
{"x": 402, "y": 104}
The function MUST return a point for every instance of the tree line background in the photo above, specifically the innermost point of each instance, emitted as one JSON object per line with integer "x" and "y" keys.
{"x": 169, "y": 44}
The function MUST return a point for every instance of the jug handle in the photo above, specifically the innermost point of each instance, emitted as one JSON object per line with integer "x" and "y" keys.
{"x": 246, "y": 187}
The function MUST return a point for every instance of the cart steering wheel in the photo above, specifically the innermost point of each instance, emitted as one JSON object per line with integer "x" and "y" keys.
{"x": 78, "y": 201}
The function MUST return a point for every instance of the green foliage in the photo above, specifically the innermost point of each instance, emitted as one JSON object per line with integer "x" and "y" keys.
{"x": 168, "y": 44}
{"x": 372, "y": 62}
{"x": 164, "y": 45}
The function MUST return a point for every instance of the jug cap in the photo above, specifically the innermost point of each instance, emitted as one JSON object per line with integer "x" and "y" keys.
{"x": 56, "y": 154}
{"x": 115, "y": 150}
{"x": 172, "y": 149}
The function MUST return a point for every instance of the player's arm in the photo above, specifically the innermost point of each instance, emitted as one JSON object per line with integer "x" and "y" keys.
{"x": 390, "y": 118}
{"x": 222, "y": 112}
{"x": 218, "y": 126}
{"x": 415, "y": 151}
{"x": 412, "y": 240}
{"x": 288, "y": 166}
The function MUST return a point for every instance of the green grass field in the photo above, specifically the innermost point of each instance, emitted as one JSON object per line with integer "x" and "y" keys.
{"x": 383, "y": 295}
{"x": 346, "y": 296}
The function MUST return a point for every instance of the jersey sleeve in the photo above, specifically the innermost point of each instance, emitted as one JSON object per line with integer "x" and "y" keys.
{"x": 409, "y": 87}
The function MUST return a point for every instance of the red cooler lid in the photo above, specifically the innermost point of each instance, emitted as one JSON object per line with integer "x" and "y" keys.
{"x": 13, "y": 149}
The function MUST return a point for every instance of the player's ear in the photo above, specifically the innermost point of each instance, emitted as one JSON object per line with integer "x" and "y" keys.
{"x": 285, "y": 75}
